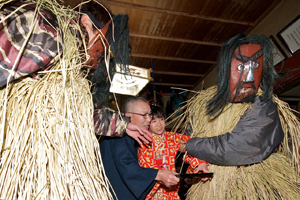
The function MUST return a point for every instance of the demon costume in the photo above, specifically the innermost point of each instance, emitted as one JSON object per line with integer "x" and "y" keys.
{"x": 48, "y": 144}
{"x": 161, "y": 155}
{"x": 239, "y": 128}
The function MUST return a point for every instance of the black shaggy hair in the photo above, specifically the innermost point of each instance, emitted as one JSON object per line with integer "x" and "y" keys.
{"x": 157, "y": 112}
{"x": 222, "y": 96}
{"x": 120, "y": 54}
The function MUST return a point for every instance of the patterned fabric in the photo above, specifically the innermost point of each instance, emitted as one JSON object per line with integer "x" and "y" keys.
{"x": 41, "y": 47}
{"x": 161, "y": 155}
{"x": 108, "y": 123}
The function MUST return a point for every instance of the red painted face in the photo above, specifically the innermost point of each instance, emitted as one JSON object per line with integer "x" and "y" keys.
{"x": 96, "y": 48}
{"x": 245, "y": 75}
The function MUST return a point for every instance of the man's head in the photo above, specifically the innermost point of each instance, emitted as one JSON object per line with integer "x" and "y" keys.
{"x": 245, "y": 64}
{"x": 139, "y": 110}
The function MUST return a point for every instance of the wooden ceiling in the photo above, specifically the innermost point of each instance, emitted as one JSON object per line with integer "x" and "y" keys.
{"x": 182, "y": 37}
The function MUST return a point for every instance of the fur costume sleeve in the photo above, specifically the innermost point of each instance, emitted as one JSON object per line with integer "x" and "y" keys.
{"x": 108, "y": 123}
{"x": 255, "y": 137}
{"x": 42, "y": 46}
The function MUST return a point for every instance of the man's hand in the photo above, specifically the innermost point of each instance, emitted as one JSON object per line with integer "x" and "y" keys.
{"x": 139, "y": 134}
{"x": 202, "y": 168}
{"x": 167, "y": 177}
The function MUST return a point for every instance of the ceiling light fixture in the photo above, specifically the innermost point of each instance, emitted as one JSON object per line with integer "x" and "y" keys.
{"x": 130, "y": 84}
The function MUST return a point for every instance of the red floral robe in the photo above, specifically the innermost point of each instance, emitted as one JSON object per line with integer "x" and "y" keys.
{"x": 161, "y": 155}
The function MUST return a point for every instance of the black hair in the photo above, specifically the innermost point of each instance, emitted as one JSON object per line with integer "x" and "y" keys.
{"x": 120, "y": 51}
{"x": 159, "y": 98}
{"x": 222, "y": 96}
{"x": 157, "y": 112}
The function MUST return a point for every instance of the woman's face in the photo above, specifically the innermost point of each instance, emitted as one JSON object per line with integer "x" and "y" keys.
{"x": 157, "y": 126}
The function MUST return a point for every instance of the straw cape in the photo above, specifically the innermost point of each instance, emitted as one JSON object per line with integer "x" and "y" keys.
{"x": 48, "y": 145}
{"x": 277, "y": 177}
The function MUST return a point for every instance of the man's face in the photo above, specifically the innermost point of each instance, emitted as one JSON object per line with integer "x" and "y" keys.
{"x": 245, "y": 77}
{"x": 142, "y": 108}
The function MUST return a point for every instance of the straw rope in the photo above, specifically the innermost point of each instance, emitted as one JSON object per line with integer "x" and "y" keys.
{"x": 50, "y": 150}
{"x": 277, "y": 177}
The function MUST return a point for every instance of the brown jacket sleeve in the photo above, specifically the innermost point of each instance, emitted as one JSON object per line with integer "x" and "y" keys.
{"x": 108, "y": 123}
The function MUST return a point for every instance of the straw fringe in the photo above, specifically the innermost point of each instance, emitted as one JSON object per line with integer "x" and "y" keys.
{"x": 272, "y": 179}
{"x": 50, "y": 150}
{"x": 291, "y": 127}
{"x": 275, "y": 178}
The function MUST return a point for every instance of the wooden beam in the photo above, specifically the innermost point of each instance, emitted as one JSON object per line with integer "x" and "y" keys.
{"x": 174, "y": 85}
{"x": 164, "y": 11}
{"x": 175, "y": 39}
{"x": 263, "y": 15}
{"x": 172, "y": 58}
{"x": 178, "y": 73}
